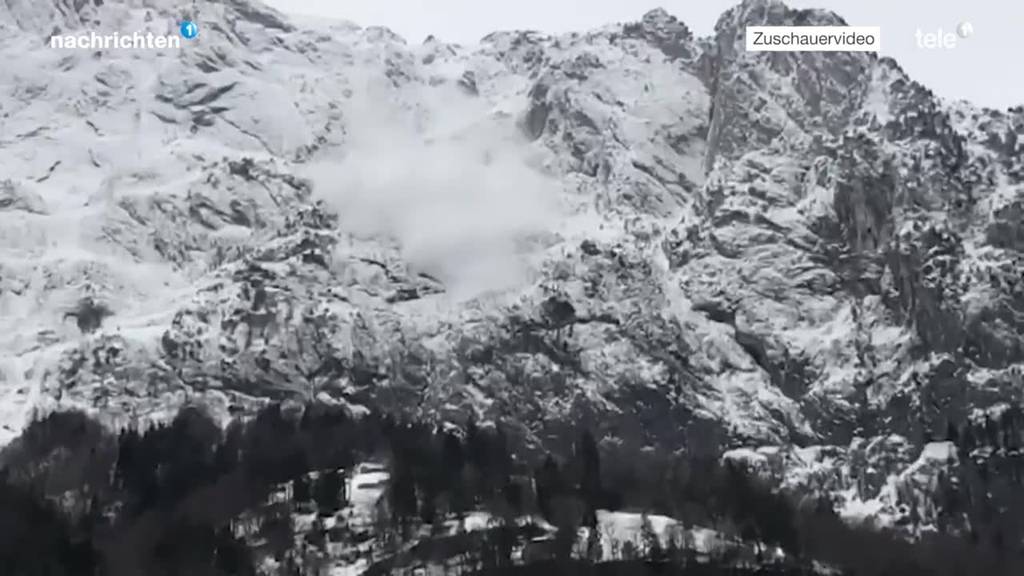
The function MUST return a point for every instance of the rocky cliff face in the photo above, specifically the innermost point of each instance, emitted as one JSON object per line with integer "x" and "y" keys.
{"x": 807, "y": 254}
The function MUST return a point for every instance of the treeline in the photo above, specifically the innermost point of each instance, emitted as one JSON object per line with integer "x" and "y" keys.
{"x": 438, "y": 472}
{"x": 983, "y": 496}
{"x": 162, "y": 502}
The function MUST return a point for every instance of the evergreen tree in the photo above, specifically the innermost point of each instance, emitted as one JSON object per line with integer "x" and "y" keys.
{"x": 124, "y": 468}
{"x": 952, "y": 434}
{"x": 548, "y": 481}
{"x": 301, "y": 489}
{"x": 968, "y": 440}
{"x": 652, "y": 544}
{"x": 595, "y": 553}
{"x": 36, "y": 540}
{"x": 328, "y": 491}
{"x": 513, "y": 494}
{"x": 229, "y": 452}
{"x": 453, "y": 460}
{"x": 590, "y": 476}
{"x": 991, "y": 432}
{"x": 232, "y": 557}
{"x": 402, "y": 491}
{"x": 452, "y": 456}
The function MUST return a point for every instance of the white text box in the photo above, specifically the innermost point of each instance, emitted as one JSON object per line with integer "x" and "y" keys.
{"x": 813, "y": 38}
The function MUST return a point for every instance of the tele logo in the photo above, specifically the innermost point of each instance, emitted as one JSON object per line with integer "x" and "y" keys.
{"x": 942, "y": 39}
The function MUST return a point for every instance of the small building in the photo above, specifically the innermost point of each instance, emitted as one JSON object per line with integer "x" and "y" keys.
{"x": 539, "y": 549}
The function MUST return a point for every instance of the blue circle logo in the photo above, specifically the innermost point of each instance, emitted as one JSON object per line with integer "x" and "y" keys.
{"x": 188, "y": 29}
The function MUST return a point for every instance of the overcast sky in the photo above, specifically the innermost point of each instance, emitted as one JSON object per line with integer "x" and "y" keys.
{"x": 986, "y": 68}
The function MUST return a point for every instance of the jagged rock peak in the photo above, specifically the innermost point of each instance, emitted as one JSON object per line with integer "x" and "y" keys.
{"x": 45, "y": 16}
{"x": 775, "y": 13}
{"x": 665, "y": 32}
{"x": 660, "y": 20}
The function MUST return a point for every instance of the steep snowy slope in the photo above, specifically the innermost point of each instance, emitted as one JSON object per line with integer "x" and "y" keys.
{"x": 653, "y": 234}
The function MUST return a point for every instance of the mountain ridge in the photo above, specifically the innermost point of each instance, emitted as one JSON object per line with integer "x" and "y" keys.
{"x": 804, "y": 250}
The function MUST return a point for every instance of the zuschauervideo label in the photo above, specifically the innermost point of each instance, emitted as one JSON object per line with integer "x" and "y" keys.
{"x": 813, "y": 38}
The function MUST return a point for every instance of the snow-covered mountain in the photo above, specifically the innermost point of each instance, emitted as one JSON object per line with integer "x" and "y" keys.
{"x": 805, "y": 257}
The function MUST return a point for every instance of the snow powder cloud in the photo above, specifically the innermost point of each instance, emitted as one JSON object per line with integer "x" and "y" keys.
{"x": 451, "y": 182}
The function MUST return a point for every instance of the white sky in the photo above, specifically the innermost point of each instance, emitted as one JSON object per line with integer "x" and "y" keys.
{"x": 986, "y": 68}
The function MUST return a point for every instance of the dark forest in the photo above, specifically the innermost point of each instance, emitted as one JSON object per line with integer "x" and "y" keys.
{"x": 78, "y": 500}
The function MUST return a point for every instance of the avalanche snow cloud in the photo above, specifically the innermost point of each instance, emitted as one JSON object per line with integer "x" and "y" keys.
{"x": 458, "y": 187}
